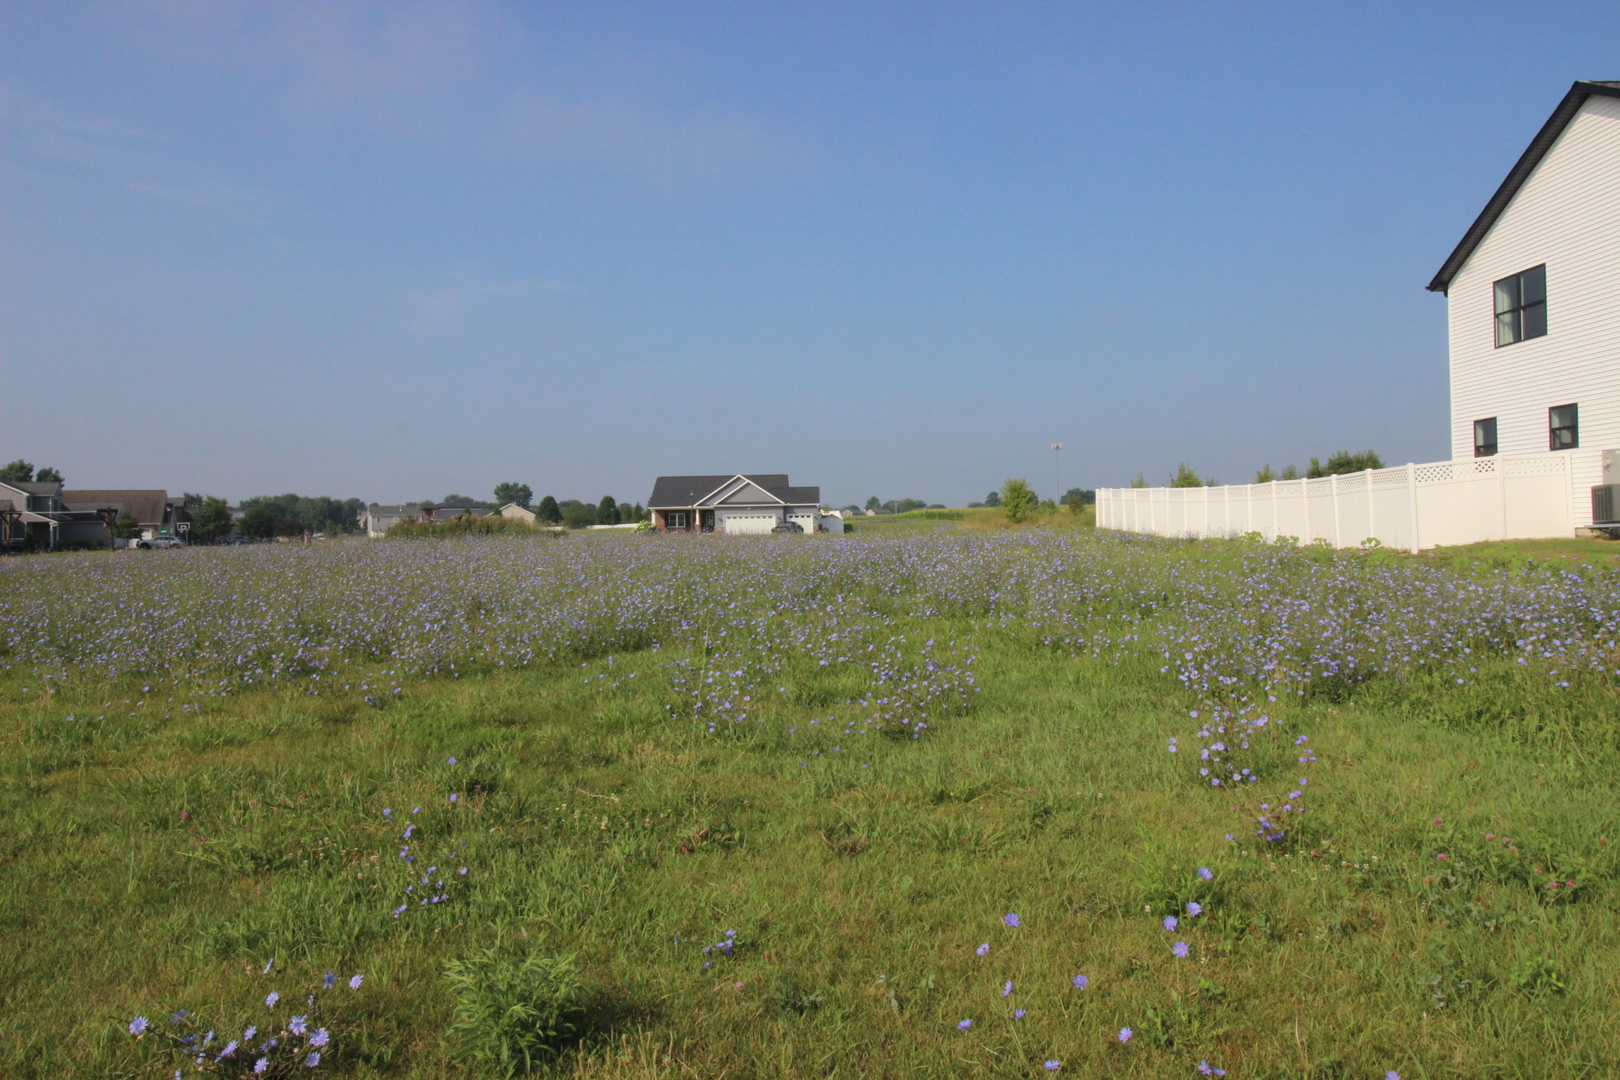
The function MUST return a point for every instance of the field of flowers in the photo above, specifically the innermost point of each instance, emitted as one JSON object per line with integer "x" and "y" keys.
{"x": 991, "y": 803}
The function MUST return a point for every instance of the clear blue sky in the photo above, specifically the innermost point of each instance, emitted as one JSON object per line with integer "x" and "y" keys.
{"x": 395, "y": 250}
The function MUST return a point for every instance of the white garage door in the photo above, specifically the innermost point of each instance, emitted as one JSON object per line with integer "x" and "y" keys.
{"x": 740, "y": 524}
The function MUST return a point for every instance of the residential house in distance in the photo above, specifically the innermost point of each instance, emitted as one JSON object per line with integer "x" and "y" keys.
{"x": 737, "y": 504}
{"x": 520, "y": 513}
{"x": 1533, "y": 299}
{"x": 446, "y": 511}
{"x": 154, "y": 510}
{"x": 34, "y": 517}
{"x": 376, "y": 518}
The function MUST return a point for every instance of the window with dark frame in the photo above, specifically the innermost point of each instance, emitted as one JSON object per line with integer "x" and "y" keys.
{"x": 675, "y": 519}
{"x": 1485, "y": 437}
{"x": 1563, "y": 427}
{"x": 1521, "y": 306}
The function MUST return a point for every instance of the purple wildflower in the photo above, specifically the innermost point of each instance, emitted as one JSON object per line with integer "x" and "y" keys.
{"x": 1180, "y": 949}
{"x": 1170, "y": 922}
{"x": 1125, "y": 1034}
{"x": 964, "y": 1025}
{"x": 1206, "y": 873}
{"x": 137, "y": 1025}
{"x": 983, "y": 950}
{"x": 354, "y": 983}
{"x": 1010, "y": 919}
{"x": 1080, "y": 982}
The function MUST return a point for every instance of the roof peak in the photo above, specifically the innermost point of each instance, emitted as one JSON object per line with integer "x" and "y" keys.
{"x": 1543, "y": 142}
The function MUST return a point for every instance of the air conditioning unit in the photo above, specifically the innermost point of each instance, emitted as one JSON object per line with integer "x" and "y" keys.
{"x": 1606, "y": 504}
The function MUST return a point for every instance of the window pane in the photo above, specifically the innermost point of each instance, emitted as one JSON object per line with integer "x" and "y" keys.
{"x": 1533, "y": 286}
{"x": 1564, "y": 416}
{"x": 1534, "y": 320}
{"x": 1485, "y": 437}
{"x": 1505, "y": 325}
{"x": 1507, "y": 294}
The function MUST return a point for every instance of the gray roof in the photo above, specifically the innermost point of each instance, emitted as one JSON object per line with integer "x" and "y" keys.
{"x": 145, "y": 506}
{"x": 679, "y": 492}
{"x": 35, "y": 487}
{"x": 1554, "y": 127}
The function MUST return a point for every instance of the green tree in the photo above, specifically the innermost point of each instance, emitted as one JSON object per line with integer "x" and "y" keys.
{"x": 576, "y": 514}
{"x": 212, "y": 521}
{"x": 1017, "y": 500}
{"x": 1139, "y": 482}
{"x": 1343, "y": 461}
{"x": 1078, "y": 497}
{"x": 549, "y": 512}
{"x": 874, "y": 503}
{"x": 319, "y": 513}
{"x": 17, "y": 472}
{"x": 258, "y": 521}
{"x": 1264, "y": 475}
{"x": 1290, "y": 472}
{"x": 607, "y": 511}
{"x": 48, "y": 475}
{"x": 521, "y": 494}
{"x": 993, "y": 499}
{"x": 126, "y": 527}
{"x": 1185, "y": 477}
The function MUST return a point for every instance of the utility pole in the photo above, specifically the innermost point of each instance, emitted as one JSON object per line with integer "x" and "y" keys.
{"x": 1057, "y": 471}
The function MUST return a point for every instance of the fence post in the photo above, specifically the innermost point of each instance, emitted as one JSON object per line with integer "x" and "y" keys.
{"x": 1411, "y": 502}
{"x": 1372, "y": 528}
{"x": 1501, "y": 492}
{"x": 1333, "y": 491}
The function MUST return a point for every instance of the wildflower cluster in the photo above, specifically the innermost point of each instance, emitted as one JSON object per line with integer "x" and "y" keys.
{"x": 436, "y": 885}
{"x": 1081, "y": 982}
{"x": 289, "y": 1041}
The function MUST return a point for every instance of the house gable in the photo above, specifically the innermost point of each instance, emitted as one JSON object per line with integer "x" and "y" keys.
{"x": 1549, "y": 134}
{"x": 748, "y": 493}
{"x": 1562, "y": 219}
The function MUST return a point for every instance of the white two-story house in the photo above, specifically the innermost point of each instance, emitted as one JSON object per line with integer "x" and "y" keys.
{"x": 1533, "y": 295}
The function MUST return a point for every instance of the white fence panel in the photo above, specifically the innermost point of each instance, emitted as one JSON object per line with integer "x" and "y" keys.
{"x": 1410, "y": 506}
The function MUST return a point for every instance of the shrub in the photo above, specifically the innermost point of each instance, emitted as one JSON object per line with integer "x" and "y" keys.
{"x": 1018, "y": 500}
{"x": 1185, "y": 477}
{"x": 512, "y": 1011}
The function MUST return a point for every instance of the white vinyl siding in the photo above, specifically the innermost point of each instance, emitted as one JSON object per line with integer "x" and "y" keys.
{"x": 1566, "y": 216}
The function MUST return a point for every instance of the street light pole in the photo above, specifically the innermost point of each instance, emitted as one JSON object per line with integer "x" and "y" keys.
{"x": 1057, "y": 471}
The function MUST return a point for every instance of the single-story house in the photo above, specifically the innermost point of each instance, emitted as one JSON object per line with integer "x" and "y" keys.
{"x": 737, "y": 504}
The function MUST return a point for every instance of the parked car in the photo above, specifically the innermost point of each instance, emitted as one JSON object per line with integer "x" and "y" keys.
{"x": 235, "y": 538}
{"x": 158, "y": 542}
{"x": 788, "y": 527}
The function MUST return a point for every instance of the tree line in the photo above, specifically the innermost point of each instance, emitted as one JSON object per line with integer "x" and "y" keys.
{"x": 1338, "y": 463}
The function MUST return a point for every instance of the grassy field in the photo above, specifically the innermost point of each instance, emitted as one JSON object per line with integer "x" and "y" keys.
{"x": 782, "y": 801}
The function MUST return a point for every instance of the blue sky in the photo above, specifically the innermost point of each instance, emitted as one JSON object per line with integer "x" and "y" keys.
{"x": 395, "y": 250}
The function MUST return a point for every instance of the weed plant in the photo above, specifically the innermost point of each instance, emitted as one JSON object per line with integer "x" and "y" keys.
{"x": 889, "y": 806}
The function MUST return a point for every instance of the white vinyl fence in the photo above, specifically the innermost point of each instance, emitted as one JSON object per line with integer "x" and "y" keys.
{"x": 1410, "y": 506}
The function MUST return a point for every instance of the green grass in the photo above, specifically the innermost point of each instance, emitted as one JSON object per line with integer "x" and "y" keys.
{"x": 858, "y": 882}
